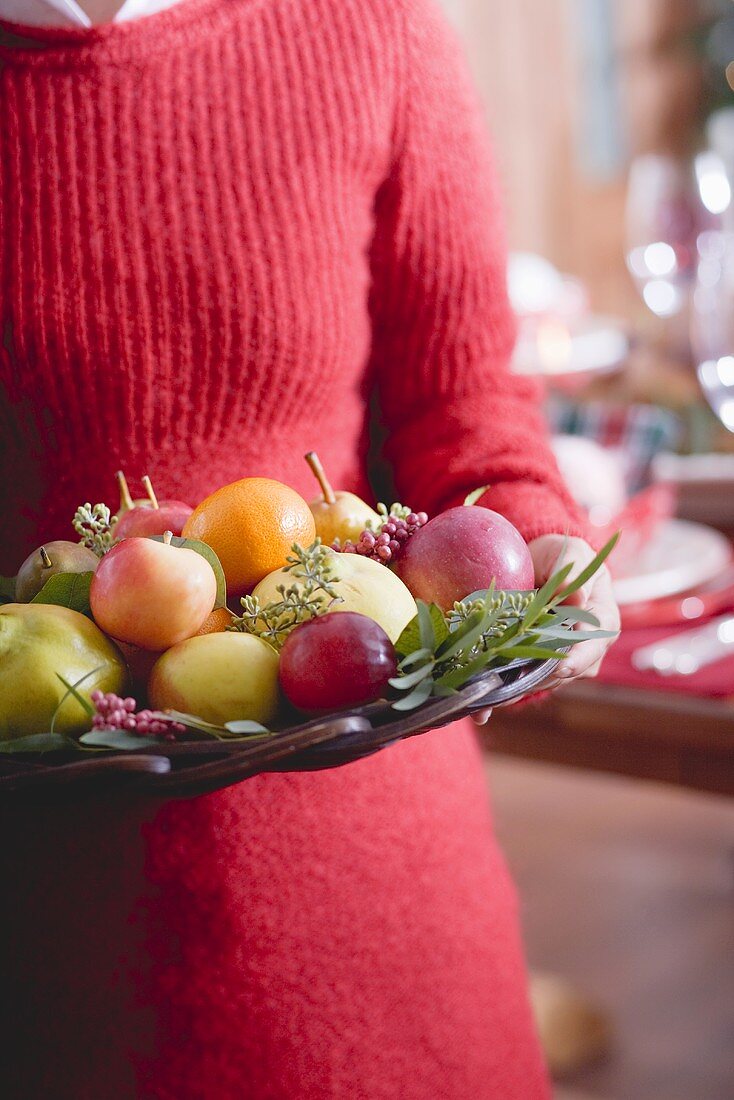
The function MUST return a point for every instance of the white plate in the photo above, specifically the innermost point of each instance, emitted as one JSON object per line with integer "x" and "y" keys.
{"x": 679, "y": 556}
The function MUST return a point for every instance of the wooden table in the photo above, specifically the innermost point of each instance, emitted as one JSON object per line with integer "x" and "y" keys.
{"x": 650, "y": 735}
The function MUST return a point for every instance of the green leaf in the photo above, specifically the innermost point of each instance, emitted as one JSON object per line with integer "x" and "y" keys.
{"x": 245, "y": 727}
{"x": 593, "y": 567}
{"x": 460, "y": 676}
{"x": 472, "y": 498}
{"x": 71, "y": 689}
{"x": 412, "y": 658}
{"x": 572, "y": 614}
{"x": 425, "y": 631}
{"x": 535, "y": 651}
{"x": 542, "y": 597}
{"x": 115, "y": 739}
{"x": 7, "y": 590}
{"x": 37, "y": 742}
{"x": 67, "y": 590}
{"x": 425, "y": 626}
{"x": 416, "y": 698}
{"x": 574, "y": 636}
{"x": 206, "y": 552}
{"x": 465, "y": 637}
{"x": 404, "y": 683}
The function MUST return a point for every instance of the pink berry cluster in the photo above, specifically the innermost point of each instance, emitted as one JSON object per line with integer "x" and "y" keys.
{"x": 385, "y": 543}
{"x": 115, "y": 713}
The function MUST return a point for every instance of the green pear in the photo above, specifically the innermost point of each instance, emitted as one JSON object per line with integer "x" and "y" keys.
{"x": 39, "y": 641}
{"x": 362, "y": 584}
{"x": 49, "y": 559}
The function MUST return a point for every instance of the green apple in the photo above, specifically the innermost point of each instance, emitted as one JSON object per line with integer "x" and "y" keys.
{"x": 39, "y": 641}
{"x": 364, "y": 585}
{"x": 219, "y": 677}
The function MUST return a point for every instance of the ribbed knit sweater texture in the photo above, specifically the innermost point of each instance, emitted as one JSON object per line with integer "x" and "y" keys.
{"x": 223, "y": 230}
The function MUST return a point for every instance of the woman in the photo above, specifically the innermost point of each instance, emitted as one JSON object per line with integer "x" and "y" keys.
{"x": 222, "y": 227}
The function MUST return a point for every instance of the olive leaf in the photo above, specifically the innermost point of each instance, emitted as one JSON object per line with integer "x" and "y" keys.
{"x": 67, "y": 590}
{"x": 206, "y": 552}
{"x": 37, "y": 743}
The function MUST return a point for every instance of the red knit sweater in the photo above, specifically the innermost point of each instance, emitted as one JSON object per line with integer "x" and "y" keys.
{"x": 221, "y": 228}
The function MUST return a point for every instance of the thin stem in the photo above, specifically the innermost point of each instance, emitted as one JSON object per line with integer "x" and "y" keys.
{"x": 45, "y": 558}
{"x": 126, "y": 501}
{"x": 147, "y": 485}
{"x": 167, "y": 536}
{"x": 318, "y": 471}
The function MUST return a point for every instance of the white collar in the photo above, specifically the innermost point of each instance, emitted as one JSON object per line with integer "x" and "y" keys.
{"x": 67, "y": 13}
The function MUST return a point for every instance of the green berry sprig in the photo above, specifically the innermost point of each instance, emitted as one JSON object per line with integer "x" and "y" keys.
{"x": 312, "y": 593}
{"x": 94, "y": 527}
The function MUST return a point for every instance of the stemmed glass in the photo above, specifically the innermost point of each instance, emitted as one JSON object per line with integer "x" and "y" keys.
{"x": 712, "y": 322}
{"x": 662, "y": 222}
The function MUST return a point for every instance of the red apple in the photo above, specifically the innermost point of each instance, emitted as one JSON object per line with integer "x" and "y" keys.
{"x": 145, "y": 520}
{"x": 334, "y": 661}
{"x": 462, "y": 551}
{"x": 149, "y": 517}
{"x": 152, "y": 594}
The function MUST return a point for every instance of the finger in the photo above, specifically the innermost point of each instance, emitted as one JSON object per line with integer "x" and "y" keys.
{"x": 482, "y": 716}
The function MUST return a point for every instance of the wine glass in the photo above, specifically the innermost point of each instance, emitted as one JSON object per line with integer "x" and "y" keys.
{"x": 662, "y": 220}
{"x": 712, "y": 322}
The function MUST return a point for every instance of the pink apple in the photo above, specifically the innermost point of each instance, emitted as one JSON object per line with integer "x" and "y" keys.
{"x": 152, "y": 594}
{"x": 149, "y": 519}
{"x": 462, "y": 551}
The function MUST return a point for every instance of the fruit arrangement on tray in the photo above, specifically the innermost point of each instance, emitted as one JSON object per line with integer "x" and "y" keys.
{"x": 192, "y": 647}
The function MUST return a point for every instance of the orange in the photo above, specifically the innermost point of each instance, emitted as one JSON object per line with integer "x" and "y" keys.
{"x": 251, "y": 526}
{"x": 219, "y": 620}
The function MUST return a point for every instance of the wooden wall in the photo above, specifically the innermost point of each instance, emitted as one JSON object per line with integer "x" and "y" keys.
{"x": 571, "y": 88}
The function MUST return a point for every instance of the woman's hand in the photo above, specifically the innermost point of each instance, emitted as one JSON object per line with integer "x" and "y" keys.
{"x": 550, "y": 553}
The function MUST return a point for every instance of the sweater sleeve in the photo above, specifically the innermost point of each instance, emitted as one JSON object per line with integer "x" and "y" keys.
{"x": 455, "y": 417}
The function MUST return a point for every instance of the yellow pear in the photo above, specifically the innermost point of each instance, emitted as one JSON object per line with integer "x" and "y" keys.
{"x": 363, "y": 585}
{"x": 338, "y": 515}
{"x": 37, "y": 641}
{"x": 219, "y": 677}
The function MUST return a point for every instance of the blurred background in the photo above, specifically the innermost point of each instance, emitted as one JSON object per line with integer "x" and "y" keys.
{"x": 613, "y": 123}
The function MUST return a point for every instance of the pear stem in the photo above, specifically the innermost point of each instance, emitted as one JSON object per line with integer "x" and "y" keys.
{"x": 126, "y": 501}
{"x": 45, "y": 558}
{"x": 318, "y": 471}
{"x": 167, "y": 536}
{"x": 147, "y": 485}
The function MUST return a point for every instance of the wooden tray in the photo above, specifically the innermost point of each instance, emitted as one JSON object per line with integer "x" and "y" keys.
{"x": 189, "y": 768}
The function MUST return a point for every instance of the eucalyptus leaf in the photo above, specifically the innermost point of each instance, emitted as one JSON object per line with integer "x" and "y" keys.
{"x": 404, "y": 683}
{"x": 7, "y": 590}
{"x": 412, "y": 658}
{"x": 535, "y": 652}
{"x": 206, "y": 552}
{"x": 115, "y": 739}
{"x": 575, "y": 636}
{"x": 416, "y": 698}
{"x": 67, "y": 590}
{"x": 460, "y": 676}
{"x": 37, "y": 742}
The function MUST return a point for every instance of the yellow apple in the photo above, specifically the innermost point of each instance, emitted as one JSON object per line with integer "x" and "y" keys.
{"x": 363, "y": 584}
{"x": 219, "y": 677}
{"x": 37, "y": 641}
